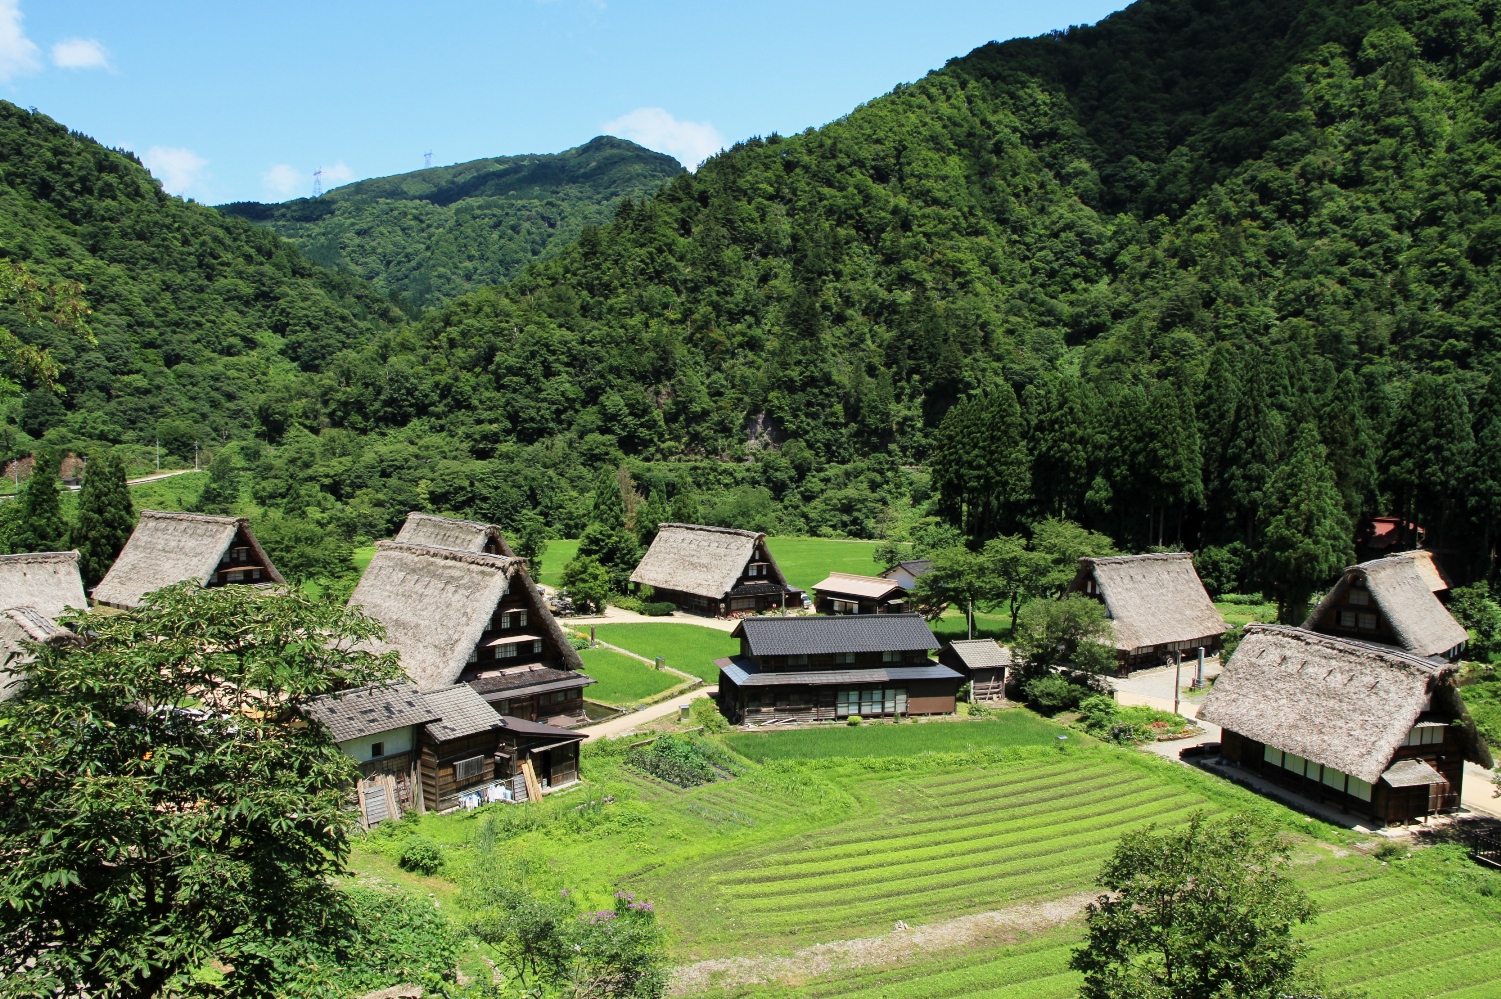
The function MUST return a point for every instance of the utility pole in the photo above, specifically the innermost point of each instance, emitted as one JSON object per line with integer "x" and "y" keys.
{"x": 158, "y": 454}
{"x": 1177, "y": 677}
{"x": 195, "y": 456}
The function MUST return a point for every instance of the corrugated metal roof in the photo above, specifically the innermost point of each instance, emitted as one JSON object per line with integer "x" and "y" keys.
{"x": 734, "y": 670}
{"x": 461, "y": 712}
{"x": 860, "y": 586}
{"x": 813, "y": 636}
{"x": 354, "y": 714}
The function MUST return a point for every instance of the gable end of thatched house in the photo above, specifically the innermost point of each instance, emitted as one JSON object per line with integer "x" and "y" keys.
{"x": 717, "y": 571}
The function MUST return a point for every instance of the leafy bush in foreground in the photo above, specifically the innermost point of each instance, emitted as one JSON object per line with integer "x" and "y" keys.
{"x": 681, "y": 760}
{"x": 421, "y": 856}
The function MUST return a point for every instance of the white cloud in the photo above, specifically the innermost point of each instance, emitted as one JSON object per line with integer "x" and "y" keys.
{"x": 286, "y": 180}
{"x": 18, "y": 54}
{"x": 179, "y": 170}
{"x": 336, "y": 175}
{"x": 691, "y": 142}
{"x": 80, "y": 53}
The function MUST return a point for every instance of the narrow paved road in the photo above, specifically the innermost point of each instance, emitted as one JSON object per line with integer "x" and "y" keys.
{"x": 629, "y": 723}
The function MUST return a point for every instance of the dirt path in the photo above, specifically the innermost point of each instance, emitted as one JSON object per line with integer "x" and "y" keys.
{"x": 900, "y": 946}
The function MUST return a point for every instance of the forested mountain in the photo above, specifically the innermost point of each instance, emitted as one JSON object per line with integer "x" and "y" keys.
{"x": 1124, "y": 274}
{"x": 432, "y": 235}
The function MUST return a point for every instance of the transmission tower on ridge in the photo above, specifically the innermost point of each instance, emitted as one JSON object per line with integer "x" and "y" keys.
{"x": 427, "y": 158}
{"x": 318, "y": 183}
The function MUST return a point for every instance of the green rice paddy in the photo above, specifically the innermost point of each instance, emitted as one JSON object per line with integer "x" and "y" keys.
{"x": 806, "y": 561}
{"x": 691, "y": 648}
{"x": 1017, "y": 728}
{"x": 556, "y": 555}
{"x": 623, "y": 680}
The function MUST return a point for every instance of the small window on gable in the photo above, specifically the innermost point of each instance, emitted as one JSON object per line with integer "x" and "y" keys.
{"x": 377, "y": 750}
{"x": 1360, "y": 598}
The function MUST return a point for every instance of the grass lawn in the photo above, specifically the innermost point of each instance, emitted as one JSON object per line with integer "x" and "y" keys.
{"x": 557, "y": 555}
{"x": 1238, "y": 614}
{"x": 1014, "y": 728}
{"x": 805, "y": 561}
{"x": 814, "y": 850}
{"x": 362, "y": 557}
{"x": 691, "y": 648}
{"x": 622, "y": 680}
{"x": 173, "y": 493}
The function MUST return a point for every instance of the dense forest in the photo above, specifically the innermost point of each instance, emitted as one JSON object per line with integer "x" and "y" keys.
{"x": 1211, "y": 274}
{"x": 429, "y": 236}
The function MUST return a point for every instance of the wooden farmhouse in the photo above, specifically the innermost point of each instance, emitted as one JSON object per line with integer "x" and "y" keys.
{"x": 450, "y": 532}
{"x": 1156, "y": 604}
{"x": 1369, "y": 728}
{"x": 714, "y": 570}
{"x": 35, "y": 590}
{"x": 809, "y": 668}
{"x": 431, "y": 750}
{"x": 984, "y": 662}
{"x": 905, "y": 574}
{"x": 1392, "y": 601}
{"x": 845, "y": 593}
{"x": 468, "y": 617}
{"x": 167, "y": 548}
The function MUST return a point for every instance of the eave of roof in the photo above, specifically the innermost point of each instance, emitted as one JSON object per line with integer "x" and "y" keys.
{"x": 736, "y": 670}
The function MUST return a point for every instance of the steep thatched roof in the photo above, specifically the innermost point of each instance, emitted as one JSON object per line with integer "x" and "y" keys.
{"x": 48, "y": 581}
{"x": 1151, "y": 599}
{"x": 168, "y": 548}
{"x": 1429, "y": 569}
{"x": 1345, "y": 704}
{"x": 436, "y": 602}
{"x": 450, "y": 532}
{"x": 19, "y": 625}
{"x": 705, "y": 561}
{"x": 1402, "y": 592}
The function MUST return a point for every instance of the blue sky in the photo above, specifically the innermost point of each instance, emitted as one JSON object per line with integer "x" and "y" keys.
{"x": 243, "y": 101}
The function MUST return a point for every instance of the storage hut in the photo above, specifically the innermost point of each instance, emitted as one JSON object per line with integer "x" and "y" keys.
{"x": 846, "y": 593}
{"x": 450, "y": 532}
{"x": 984, "y": 662}
{"x": 828, "y": 668}
{"x": 550, "y": 753}
{"x": 1391, "y": 601}
{"x": 714, "y": 570}
{"x": 1156, "y": 604}
{"x": 167, "y": 548}
{"x": 1369, "y": 728}
{"x": 906, "y": 574}
{"x": 468, "y": 617}
{"x": 35, "y": 589}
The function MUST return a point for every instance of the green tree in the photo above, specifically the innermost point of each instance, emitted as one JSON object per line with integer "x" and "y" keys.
{"x": 40, "y": 526}
{"x": 530, "y": 543}
{"x": 1205, "y": 911}
{"x": 106, "y": 516}
{"x": 587, "y": 582}
{"x": 38, "y": 304}
{"x": 1058, "y": 427}
{"x": 304, "y": 551}
{"x": 222, "y": 491}
{"x": 981, "y": 471}
{"x": 1016, "y": 573}
{"x": 1217, "y": 398}
{"x": 1072, "y": 632}
{"x": 959, "y": 577}
{"x": 1308, "y": 540}
{"x": 917, "y": 541}
{"x": 163, "y": 801}
{"x": 1428, "y": 456}
{"x": 1062, "y": 543}
{"x": 1255, "y": 446}
{"x": 1346, "y": 434}
{"x": 1173, "y": 462}
{"x": 1473, "y": 607}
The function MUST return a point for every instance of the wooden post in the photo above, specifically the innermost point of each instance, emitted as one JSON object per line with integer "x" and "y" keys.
{"x": 591, "y": 636}
{"x": 1177, "y": 677}
{"x": 533, "y": 786}
{"x": 1199, "y": 671}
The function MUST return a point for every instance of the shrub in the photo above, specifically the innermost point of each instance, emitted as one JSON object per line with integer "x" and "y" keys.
{"x": 681, "y": 760}
{"x": 1051, "y": 694}
{"x": 854, "y": 721}
{"x": 627, "y": 603}
{"x": 661, "y": 608}
{"x": 421, "y": 856}
{"x": 705, "y": 711}
{"x": 1388, "y": 851}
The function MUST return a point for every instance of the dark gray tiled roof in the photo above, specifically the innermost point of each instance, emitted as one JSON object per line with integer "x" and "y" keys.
{"x": 981, "y": 653}
{"x": 537, "y": 730}
{"x": 354, "y": 714}
{"x": 529, "y": 682}
{"x": 739, "y": 672}
{"x": 461, "y": 712}
{"x": 813, "y": 636}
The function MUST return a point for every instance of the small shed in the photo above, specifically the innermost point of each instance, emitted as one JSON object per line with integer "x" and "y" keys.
{"x": 1370, "y": 728}
{"x": 469, "y": 617}
{"x": 1157, "y": 606}
{"x": 905, "y": 574}
{"x": 847, "y": 593}
{"x": 714, "y": 570}
{"x": 451, "y": 532}
{"x": 984, "y": 662}
{"x": 1391, "y": 601}
{"x": 167, "y": 548}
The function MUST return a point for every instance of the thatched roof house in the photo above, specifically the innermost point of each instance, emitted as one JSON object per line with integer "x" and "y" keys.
{"x": 1343, "y": 720}
{"x": 46, "y": 581}
{"x": 1391, "y": 601}
{"x": 450, "y": 532}
{"x": 1156, "y": 605}
{"x": 714, "y": 570}
{"x": 168, "y": 548}
{"x": 457, "y": 616}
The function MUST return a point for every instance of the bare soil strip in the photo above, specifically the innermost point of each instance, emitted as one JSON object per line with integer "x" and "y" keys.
{"x": 900, "y": 946}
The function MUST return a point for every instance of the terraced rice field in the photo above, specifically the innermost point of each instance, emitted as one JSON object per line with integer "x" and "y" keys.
{"x": 1017, "y": 728}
